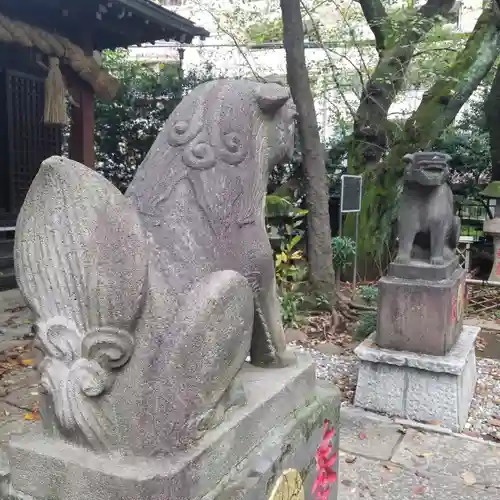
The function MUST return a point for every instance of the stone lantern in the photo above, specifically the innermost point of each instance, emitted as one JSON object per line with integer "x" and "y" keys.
{"x": 492, "y": 226}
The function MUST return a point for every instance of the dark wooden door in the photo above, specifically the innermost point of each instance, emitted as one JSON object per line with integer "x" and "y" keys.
{"x": 29, "y": 139}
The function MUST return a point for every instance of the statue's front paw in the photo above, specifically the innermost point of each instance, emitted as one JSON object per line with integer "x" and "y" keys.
{"x": 437, "y": 261}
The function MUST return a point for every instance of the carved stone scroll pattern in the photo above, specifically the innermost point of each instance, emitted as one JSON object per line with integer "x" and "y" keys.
{"x": 80, "y": 264}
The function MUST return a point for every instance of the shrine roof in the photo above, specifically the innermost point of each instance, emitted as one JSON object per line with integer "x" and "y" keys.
{"x": 105, "y": 24}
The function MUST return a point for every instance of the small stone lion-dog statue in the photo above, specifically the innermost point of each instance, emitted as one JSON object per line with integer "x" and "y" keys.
{"x": 428, "y": 229}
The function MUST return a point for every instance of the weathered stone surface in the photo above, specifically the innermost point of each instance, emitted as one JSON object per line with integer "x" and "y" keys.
{"x": 420, "y": 316}
{"x": 364, "y": 434}
{"x": 146, "y": 319}
{"x": 492, "y": 226}
{"x": 450, "y": 456}
{"x": 419, "y": 387}
{"x": 428, "y": 230}
{"x": 452, "y": 363}
{"x": 374, "y": 480}
{"x": 200, "y": 192}
{"x": 280, "y": 427}
{"x": 146, "y": 308}
{"x": 420, "y": 270}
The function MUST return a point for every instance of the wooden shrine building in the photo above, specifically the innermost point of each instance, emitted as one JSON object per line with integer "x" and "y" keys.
{"x": 47, "y": 53}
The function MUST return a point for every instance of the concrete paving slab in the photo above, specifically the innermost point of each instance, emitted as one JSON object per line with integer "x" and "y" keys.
{"x": 450, "y": 456}
{"x": 21, "y": 378}
{"x": 483, "y": 323}
{"x": 15, "y": 323}
{"x": 18, "y": 427}
{"x": 373, "y": 480}
{"x": 366, "y": 435}
{"x": 26, "y": 398}
{"x": 11, "y": 299}
{"x": 13, "y": 422}
{"x": 9, "y": 413}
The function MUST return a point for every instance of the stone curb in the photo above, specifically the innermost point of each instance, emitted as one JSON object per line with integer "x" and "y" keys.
{"x": 411, "y": 424}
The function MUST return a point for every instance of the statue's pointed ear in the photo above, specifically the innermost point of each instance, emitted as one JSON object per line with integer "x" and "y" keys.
{"x": 271, "y": 97}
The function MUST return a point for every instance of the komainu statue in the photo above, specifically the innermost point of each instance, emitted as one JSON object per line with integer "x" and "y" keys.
{"x": 428, "y": 229}
{"x": 147, "y": 304}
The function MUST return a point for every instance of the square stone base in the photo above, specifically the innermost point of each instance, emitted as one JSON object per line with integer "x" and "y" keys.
{"x": 277, "y": 432}
{"x": 417, "y": 386}
{"x": 420, "y": 316}
{"x": 421, "y": 270}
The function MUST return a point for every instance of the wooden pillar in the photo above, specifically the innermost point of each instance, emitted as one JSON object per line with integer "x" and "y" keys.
{"x": 81, "y": 140}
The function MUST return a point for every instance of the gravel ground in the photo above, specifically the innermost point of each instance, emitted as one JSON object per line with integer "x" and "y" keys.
{"x": 341, "y": 369}
{"x": 484, "y": 416}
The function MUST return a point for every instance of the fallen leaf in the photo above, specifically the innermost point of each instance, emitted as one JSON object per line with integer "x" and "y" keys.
{"x": 495, "y": 422}
{"x": 469, "y": 478}
{"x": 425, "y": 454}
{"x": 434, "y": 422}
{"x": 418, "y": 490}
{"x": 362, "y": 435}
{"x": 350, "y": 459}
{"x": 27, "y": 362}
{"x": 32, "y": 415}
{"x": 347, "y": 482}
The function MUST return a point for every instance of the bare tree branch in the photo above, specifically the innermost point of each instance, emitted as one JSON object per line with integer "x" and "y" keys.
{"x": 330, "y": 60}
{"x": 436, "y": 49}
{"x": 355, "y": 42}
{"x": 387, "y": 81}
{"x": 233, "y": 39}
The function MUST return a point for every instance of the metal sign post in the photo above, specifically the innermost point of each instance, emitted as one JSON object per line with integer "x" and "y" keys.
{"x": 350, "y": 202}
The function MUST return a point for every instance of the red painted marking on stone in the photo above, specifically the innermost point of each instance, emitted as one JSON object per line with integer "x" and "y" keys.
{"x": 326, "y": 476}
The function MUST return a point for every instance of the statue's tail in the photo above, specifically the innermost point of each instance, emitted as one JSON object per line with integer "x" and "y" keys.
{"x": 80, "y": 248}
{"x": 80, "y": 259}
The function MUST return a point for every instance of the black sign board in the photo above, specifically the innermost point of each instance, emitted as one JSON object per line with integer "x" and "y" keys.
{"x": 350, "y": 194}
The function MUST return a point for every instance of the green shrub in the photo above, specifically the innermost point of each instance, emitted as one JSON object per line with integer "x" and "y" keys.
{"x": 368, "y": 294}
{"x": 366, "y": 325}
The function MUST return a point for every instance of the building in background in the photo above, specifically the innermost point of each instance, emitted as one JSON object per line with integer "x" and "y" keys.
{"x": 233, "y": 56}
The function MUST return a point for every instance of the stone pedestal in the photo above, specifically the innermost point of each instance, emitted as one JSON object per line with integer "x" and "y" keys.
{"x": 492, "y": 226}
{"x": 421, "y": 316}
{"x": 276, "y": 433}
{"x": 417, "y": 386}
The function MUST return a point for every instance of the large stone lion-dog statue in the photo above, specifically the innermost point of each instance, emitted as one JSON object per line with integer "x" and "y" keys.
{"x": 147, "y": 305}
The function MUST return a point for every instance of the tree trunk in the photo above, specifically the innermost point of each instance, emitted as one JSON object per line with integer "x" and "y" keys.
{"x": 370, "y": 126}
{"x": 492, "y": 111}
{"x": 319, "y": 249}
{"x": 437, "y": 111}
{"x": 445, "y": 98}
